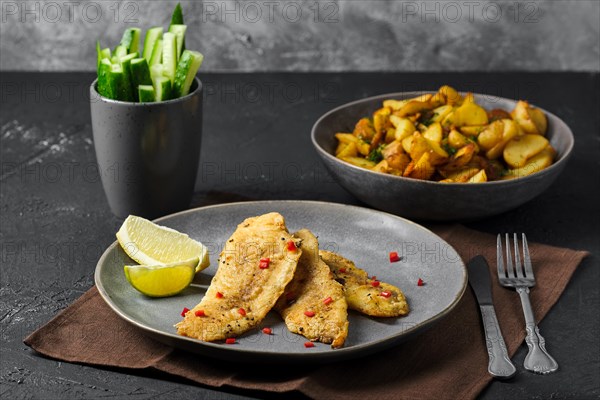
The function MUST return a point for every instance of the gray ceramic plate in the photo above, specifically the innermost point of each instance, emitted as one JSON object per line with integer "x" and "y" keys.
{"x": 363, "y": 235}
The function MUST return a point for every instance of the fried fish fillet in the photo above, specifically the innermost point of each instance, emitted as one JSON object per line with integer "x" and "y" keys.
{"x": 246, "y": 285}
{"x": 313, "y": 304}
{"x": 370, "y": 297}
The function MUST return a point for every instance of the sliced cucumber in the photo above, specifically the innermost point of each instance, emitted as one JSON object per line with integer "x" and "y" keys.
{"x": 105, "y": 53}
{"x": 131, "y": 39}
{"x": 140, "y": 72}
{"x": 179, "y": 31}
{"x": 162, "y": 88}
{"x": 120, "y": 51}
{"x": 146, "y": 93}
{"x": 101, "y": 54}
{"x": 186, "y": 71}
{"x": 156, "y": 71}
{"x": 177, "y": 19}
{"x": 177, "y": 16}
{"x": 98, "y": 55}
{"x": 169, "y": 56}
{"x": 152, "y": 36}
{"x": 156, "y": 57}
{"x": 126, "y": 64}
{"x": 103, "y": 86}
{"x": 119, "y": 86}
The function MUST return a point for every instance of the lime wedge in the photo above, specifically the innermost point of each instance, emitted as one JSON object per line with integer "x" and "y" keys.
{"x": 161, "y": 280}
{"x": 151, "y": 244}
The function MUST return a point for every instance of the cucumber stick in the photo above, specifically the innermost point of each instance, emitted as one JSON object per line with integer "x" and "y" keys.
{"x": 177, "y": 16}
{"x": 146, "y": 93}
{"x": 179, "y": 31}
{"x": 169, "y": 56}
{"x": 103, "y": 85}
{"x": 186, "y": 71}
{"x": 177, "y": 19}
{"x": 131, "y": 39}
{"x": 119, "y": 86}
{"x": 156, "y": 57}
{"x": 126, "y": 64}
{"x": 162, "y": 88}
{"x": 120, "y": 51}
{"x": 156, "y": 71}
{"x": 101, "y": 54}
{"x": 140, "y": 72}
{"x": 152, "y": 36}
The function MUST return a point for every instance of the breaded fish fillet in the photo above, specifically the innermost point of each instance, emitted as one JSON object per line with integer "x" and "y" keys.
{"x": 256, "y": 264}
{"x": 370, "y": 297}
{"x": 313, "y": 304}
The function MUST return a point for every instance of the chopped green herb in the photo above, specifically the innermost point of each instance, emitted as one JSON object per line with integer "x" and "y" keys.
{"x": 449, "y": 149}
{"x": 375, "y": 155}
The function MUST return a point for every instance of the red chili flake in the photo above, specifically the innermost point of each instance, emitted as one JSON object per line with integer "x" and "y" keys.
{"x": 309, "y": 313}
{"x": 328, "y": 300}
{"x": 267, "y": 331}
{"x": 394, "y": 257}
{"x": 200, "y": 313}
{"x": 230, "y": 340}
{"x": 375, "y": 283}
{"x": 219, "y": 295}
{"x": 242, "y": 311}
{"x": 385, "y": 294}
{"x": 185, "y": 310}
{"x": 342, "y": 270}
{"x": 291, "y": 246}
{"x": 420, "y": 282}
{"x": 309, "y": 345}
{"x": 264, "y": 263}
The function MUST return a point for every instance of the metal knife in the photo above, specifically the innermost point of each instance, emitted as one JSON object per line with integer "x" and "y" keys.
{"x": 499, "y": 365}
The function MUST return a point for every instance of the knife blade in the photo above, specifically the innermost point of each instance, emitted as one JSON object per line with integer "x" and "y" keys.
{"x": 499, "y": 365}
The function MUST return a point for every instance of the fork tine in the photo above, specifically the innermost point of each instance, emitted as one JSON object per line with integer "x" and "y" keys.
{"x": 509, "y": 262}
{"x": 518, "y": 265}
{"x": 499, "y": 258}
{"x": 527, "y": 259}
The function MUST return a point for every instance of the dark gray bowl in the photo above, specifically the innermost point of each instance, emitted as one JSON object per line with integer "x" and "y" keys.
{"x": 426, "y": 200}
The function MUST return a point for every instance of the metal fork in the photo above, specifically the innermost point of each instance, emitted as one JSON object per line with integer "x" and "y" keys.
{"x": 520, "y": 277}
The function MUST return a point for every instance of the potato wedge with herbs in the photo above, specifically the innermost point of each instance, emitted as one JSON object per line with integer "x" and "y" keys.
{"x": 360, "y": 162}
{"x": 531, "y": 120}
{"x": 509, "y": 131}
{"x": 450, "y": 95}
{"x": 364, "y": 129}
{"x": 520, "y": 149}
{"x": 456, "y": 140}
{"x": 468, "y": 114}
{"x": 434, "y": 132}
{"x": 448, "y": 137}
{"x": 479, "y": 177}
{"x": 535, "y": 164}
{"x": 349, "y": 151}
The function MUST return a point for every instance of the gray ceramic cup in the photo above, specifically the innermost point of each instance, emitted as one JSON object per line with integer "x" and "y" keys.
{"x": 148, "y": 153}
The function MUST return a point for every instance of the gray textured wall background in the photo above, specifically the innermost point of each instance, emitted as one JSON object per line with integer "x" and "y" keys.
{"x": 323, "y": 35}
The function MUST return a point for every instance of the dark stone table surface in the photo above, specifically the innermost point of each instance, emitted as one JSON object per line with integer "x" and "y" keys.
{"x": 55, "y": 221}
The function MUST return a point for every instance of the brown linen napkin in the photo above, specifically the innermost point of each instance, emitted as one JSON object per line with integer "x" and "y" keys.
{"x": 447, "y": 361}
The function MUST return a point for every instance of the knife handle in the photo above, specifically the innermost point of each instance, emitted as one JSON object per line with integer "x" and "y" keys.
{"x": 499, "y": 365}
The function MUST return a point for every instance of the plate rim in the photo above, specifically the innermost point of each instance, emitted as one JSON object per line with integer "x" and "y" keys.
{"x": 335, "y": 355}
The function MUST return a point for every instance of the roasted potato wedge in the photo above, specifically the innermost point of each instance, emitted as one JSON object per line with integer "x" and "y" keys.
{"x": 535, "y": 164}
{"x": 521, "y": 148}
{"x": 531, "y": 120}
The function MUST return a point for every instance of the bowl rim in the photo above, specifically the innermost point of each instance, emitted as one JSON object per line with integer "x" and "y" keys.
{"x": 557, "y": 165}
